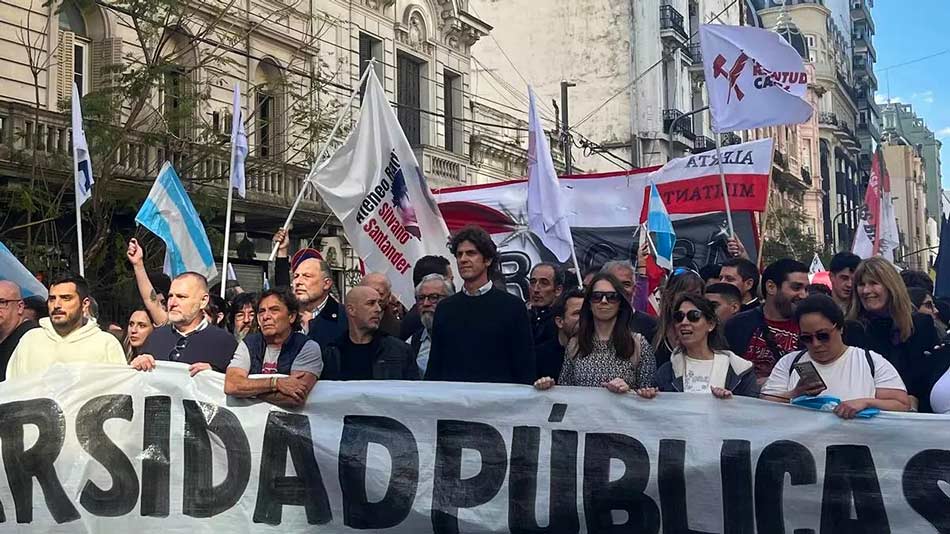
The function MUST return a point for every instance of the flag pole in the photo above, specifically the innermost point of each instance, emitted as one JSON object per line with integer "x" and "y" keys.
{"x": 577, "y": 269}
{"x": 722, "y": 182}
{"x": 82, "y": 263}
{"x": 320, "y": 157}
{"x": 227, "y": 220}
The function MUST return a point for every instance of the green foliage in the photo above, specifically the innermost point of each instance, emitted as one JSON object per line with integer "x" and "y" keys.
{"x": 786, "y": 236}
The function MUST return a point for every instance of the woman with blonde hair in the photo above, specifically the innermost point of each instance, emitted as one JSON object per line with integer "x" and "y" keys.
{"x": 605, "y": 353}
{"x": 882, "y": 319}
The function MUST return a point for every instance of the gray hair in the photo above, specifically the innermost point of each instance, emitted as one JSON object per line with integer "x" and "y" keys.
{"x": 449, "y": 287}
{"x": 618, "y": 264}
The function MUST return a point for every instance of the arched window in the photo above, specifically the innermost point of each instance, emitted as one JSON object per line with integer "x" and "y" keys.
{"x": 269, "y": 110}
{"x": 74, "y": 52}
{"x": 179, "y": 99}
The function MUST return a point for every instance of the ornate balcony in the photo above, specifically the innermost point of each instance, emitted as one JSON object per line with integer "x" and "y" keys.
{"x": 671, "y": 24}
{"x": 702, "y": 144}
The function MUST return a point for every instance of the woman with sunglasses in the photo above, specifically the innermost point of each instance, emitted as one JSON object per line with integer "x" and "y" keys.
{"x": 860, "y": 378}
{"x": 882, "y": 319}
{"x": 605, "y": 353}
{"x": 680, "y": 282}
{"x": 701, "y": 362}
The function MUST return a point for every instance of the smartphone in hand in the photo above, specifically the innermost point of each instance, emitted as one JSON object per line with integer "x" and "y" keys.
{"x": 809, "y": 379}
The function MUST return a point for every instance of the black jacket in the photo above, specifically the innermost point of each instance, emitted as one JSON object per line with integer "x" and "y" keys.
{"x": 918, "y": 371}
{"x": 643, "y": 324}
{"x": 329, "y": 325}
{"x": 9, "y": 345}
{"x": 739, "y": 376}
{"x": 393, "y": 358}
{"x": 542, "y": 324}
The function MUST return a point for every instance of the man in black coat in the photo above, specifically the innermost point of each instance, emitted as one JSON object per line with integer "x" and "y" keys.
{"x": 364, "y": 352}
{"x": 13, "y": 323}
{"x": 545, "y": 284}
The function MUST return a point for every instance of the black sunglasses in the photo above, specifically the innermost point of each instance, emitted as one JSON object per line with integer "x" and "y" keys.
{"x": 693, "y": 315}
{"x": 611, "y": 296}
{"x": 175, "y": 354}
{"x": 808, "y": 339}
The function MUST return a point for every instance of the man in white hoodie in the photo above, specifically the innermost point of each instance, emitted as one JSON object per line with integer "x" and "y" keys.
{"x": 66, "y": 336}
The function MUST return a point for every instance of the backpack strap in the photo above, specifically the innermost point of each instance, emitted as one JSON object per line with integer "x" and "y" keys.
{"x": 799, "y": 357}
{"x": 867, "y": 356}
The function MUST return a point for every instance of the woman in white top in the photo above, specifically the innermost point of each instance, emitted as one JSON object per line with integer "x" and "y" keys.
{"x": 701, "y": 361}
{"x": 860, "y": 378}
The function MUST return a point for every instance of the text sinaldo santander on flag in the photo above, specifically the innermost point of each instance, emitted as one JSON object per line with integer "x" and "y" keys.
{"x": 374, "y": 185}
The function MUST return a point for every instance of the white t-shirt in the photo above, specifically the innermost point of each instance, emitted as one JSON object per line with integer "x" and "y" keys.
{"x": 940, "y": 395}
{"x": 848, "y": 377}
{"x": 308, "y": 359}
{"x": 696, "y": 377}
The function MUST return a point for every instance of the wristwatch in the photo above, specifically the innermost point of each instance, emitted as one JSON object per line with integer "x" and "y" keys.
{"x": 273, "y": 383}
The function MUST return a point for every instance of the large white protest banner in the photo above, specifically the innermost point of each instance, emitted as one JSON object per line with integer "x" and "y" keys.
{"x": 108, "y": 449}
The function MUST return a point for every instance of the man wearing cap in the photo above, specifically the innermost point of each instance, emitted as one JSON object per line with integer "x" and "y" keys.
{"x": 322, "y": 317}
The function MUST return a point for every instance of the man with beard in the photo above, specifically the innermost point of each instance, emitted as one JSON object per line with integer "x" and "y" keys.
{"x": 567, "y": 315}
{"x": 764, "y": 334}
{"x": 66, "y": 336}
{"x": 545, "y": 284}
{"x": 743, "y": 274}
{"x": 429, "y": 292}
{"x": 188, "y": 337}
{"x": 243, "y": 315}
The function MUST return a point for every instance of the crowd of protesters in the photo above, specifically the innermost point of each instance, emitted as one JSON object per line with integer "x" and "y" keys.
{"x": 874, "y": 339}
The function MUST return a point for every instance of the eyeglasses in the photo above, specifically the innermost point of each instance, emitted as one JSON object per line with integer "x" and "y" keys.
{"x": 434, "y": 297}
{"x": 692, "y": 315}
{"x": 612, "y": 297}
{"x": 808, "y": 339}
{"x": 175, "y": 354}
{"x": 4, "y": 302}
{"x": 929, "y": 305}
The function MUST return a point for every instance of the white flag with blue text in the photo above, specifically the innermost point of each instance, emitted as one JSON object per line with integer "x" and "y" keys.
{"x": 82, "y": 164}
{"x": 168, "y": 213}
{"x": 238, "y": 145}
{"x": 12, "y": 270}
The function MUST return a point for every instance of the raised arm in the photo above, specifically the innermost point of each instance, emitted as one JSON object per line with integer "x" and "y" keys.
{"x": 136, "y": 257}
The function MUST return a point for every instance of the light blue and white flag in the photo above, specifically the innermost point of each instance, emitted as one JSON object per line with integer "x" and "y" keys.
{"x": 238, "y": 145}
{"x": 12, "y": 270}
{"x": 82, "y": 164}
{"x": 168, "y": 213}
{"x": 660, "y": 225}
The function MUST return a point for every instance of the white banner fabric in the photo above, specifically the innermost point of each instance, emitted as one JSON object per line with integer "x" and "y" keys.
{"x": 108, "y": 449}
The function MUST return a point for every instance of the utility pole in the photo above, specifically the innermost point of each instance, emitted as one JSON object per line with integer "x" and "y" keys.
{"x": 565, "y": 133}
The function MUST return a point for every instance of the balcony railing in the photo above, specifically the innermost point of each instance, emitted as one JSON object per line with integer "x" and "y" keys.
{"x": 806, "y": 175}
{"x": 696, "y": 52}
{"x": 683, "y": 127}
{"x": 672, "y": 20}
{"x": 702, "y": 144}
{"x": 138, "y": 159}
{"x": 780, "y": 160}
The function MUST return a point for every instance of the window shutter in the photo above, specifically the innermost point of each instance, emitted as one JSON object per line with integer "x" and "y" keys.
{"x": 64, "y": 69}
{"x": 106, "y": 53}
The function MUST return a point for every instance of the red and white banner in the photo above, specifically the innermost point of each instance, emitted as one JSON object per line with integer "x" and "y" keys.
{"x": 604, "y": 210}
{"x": 877, "y": 232}
{"x": 754, "y": 78}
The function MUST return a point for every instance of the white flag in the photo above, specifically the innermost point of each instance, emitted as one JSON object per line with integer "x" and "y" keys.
{"x": 816, "y": 267}
{"x": 374, "y": 185}
{"x": 754, "y": 78}
{"x": 547, "y": 216}
{"x": 82, "y": 164}
{"x": 238, "y": 145}
{"x": 890, "y": 235}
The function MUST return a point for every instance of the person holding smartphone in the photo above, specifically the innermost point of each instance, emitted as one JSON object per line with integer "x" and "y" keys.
{"x": 860, "y": 378}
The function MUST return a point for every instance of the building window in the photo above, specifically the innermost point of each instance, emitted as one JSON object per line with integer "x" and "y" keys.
{"x": 73, "y": 53}
{"x": 371, "y": 48}
{"x": 409, "y": 97}
{"x": 177, "y": 108}
{"x": 265, "y": 125}
{"x": 452, "y": 101}
{"x": 269, "y": 110}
